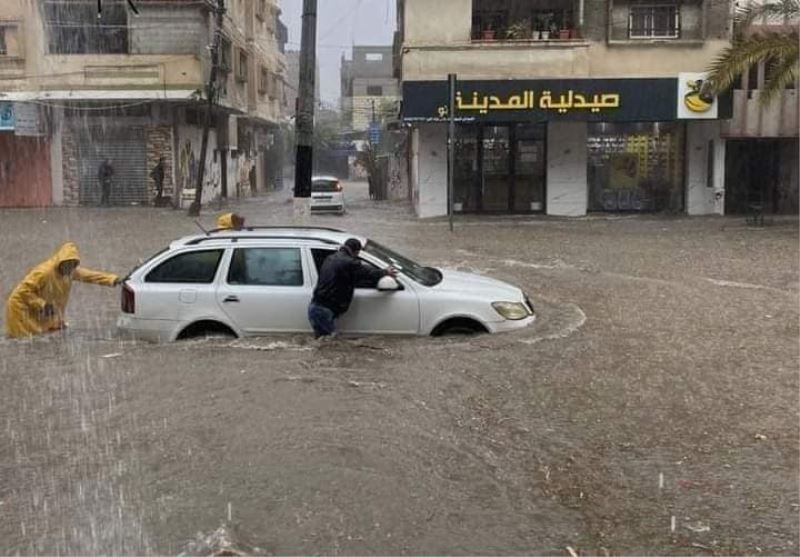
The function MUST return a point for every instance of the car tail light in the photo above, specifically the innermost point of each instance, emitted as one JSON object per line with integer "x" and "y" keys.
{"x": 128, "y": 299}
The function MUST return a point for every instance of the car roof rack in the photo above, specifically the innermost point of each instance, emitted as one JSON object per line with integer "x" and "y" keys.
{"x": 276, "y": 227}
{"x": 235, "y": 239}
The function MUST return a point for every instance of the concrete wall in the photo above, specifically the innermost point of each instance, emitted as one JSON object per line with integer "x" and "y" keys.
{"x": 440, "y": 22}
{"x": 700, "y": 198}
{"x": 188, "y": 30}
{"x": 567, "y": 190}
{"x": 56, "y": 158}
{"x": 751, "y": 119}
{"x": 437, "y": 42}
{"x": 432, "y": 170}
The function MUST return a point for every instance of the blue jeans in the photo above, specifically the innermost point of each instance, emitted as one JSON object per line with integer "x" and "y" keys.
{"x": 321, "y": 319}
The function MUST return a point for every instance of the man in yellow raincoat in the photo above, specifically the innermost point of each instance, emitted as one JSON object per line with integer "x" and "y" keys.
{"x": 230, "y": 221}
{"x": 37, "y": 305}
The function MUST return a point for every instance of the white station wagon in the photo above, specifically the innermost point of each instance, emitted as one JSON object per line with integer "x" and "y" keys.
{"x": 260, "y": 281}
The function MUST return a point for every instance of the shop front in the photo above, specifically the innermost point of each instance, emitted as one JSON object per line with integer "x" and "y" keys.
{"x": 561, "y": 147}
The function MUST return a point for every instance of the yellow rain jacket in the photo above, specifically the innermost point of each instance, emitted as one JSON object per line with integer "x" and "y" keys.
{"x": 228, "y": 221}
{"x": 45, "y": 285}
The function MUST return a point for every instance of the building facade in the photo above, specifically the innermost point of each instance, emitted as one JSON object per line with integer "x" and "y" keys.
{"x": 369, "y": 88}
{"x": 564, "y": 107}
{"x": 761, "y": 163}
{"x": 80, "y": 88}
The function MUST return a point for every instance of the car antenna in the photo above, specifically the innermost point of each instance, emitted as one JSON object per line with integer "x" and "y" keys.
{"x": 200, "y": 226}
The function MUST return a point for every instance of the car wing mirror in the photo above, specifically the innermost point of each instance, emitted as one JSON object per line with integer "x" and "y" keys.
{"x": 388, "y": 284}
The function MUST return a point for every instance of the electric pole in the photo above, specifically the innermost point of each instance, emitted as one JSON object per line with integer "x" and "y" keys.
{"x": 211, "y": 91}
{"x": 304, "y": 126}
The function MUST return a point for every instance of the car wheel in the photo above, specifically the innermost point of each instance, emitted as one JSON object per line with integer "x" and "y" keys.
{"x": 206, "y": 329}
{"x": 460, "y": 327}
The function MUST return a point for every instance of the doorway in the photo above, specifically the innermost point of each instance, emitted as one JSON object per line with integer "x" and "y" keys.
{"x": 500, "y": 168}
{"x": 761, "y": 172}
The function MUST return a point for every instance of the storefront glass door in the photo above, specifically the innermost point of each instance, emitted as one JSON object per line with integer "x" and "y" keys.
{"x": 467, "y": 177}
{"x": 529, "y": 168}
{"x": 497, "y": 174}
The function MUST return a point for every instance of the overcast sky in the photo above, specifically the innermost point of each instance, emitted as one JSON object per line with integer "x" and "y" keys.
{"x": 340, "y": 24}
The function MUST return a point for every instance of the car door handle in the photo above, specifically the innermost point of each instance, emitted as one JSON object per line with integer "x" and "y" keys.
{"x": 230, "y": 299}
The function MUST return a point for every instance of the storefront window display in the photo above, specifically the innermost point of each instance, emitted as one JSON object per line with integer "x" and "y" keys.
{"x": 636, "y": 166}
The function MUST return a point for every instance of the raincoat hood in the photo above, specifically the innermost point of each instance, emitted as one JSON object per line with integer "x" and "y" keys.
{"x": 67, "y": 252}
{"x": 225, "y": 221}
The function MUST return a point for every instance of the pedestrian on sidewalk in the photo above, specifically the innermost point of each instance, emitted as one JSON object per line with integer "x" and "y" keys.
{"x": 337, "y": 281}
{"x": 230, "y": 221}
{"x": 38, "y": 304}
{"x": 105, "y": 174}
{"x": 157, "y": 175}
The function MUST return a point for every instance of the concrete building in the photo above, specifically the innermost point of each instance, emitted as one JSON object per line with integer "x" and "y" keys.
{"x": 369, "y": 88}
{"x": 78, "y": 89}
{"x": 293, "y": 80}
{"x": 761, "y": 142}
{"x": 564, "y": 106}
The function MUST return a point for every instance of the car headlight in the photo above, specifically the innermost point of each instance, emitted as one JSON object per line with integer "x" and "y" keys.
{"x": 513, "y": 311}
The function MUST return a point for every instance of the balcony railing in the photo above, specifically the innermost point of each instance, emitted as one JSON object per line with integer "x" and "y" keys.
{"x": 538, "y": 25}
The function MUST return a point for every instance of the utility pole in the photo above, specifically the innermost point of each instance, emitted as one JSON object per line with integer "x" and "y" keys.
{"x": 373, "y": 110}
{"x": 211, "y": 91}
{"x": 451, "y": 144}
{"x": 304, "y": 126}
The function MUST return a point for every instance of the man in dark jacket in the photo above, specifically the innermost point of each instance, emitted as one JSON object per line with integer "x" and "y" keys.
{"x": 337, "y": 280}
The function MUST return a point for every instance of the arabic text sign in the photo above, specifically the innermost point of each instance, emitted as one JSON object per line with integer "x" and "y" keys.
{"x": 600, "y": 100}
{"x": 28, "y": 121}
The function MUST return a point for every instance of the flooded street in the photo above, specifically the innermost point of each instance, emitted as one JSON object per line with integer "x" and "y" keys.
{"x": 651, "y": 409}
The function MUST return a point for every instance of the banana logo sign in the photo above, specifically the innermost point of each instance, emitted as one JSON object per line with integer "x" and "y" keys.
{"x": 692, "y": 100}
{"x": 696, "y": 99}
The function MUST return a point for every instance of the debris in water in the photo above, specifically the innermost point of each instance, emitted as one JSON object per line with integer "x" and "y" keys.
{"x": 760, "y": 437}
{"x": 698, "y": 527}
{"x": 572, "y": 551}
{"x": 222, "y": 542}
{"x": 661, "y": 480}
{"x": 112, "y": 355}
{"x": 672, "y": 523}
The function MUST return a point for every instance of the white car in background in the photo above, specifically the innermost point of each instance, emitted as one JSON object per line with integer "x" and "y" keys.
{"x": 327, "y": 194}
{"x": 260, "y": 280}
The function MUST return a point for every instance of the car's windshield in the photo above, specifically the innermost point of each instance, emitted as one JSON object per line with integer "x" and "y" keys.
{"x": 427, "y": 276}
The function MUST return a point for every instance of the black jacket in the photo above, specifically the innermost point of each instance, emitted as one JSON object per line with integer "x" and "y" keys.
{"x": 337, "y": 279}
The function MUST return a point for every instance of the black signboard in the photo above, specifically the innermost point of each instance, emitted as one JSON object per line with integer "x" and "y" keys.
{"x": 592, "y": 100}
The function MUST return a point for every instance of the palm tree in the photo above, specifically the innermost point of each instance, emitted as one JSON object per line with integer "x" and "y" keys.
{"x": 775, "y": 45}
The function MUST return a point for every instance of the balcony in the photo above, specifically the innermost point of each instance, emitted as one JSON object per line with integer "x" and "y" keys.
{"x": 523, "y": 21}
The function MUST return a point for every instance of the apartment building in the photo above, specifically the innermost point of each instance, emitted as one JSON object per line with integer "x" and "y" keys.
{"x": 369, "y": 89}
{"x": 80, "y": 87}
{"x": 564, "y": 107}
{"x": 761, "y": 141}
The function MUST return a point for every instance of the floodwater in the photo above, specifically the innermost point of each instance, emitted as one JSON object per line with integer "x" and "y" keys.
{"x": 653, "y": 407}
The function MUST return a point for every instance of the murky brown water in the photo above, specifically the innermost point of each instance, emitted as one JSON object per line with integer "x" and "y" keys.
{"x": 664, "y": 350}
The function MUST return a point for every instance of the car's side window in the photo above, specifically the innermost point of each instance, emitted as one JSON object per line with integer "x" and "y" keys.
{"x": 266, "y": 267}
{"x": 196, "y": 267}
{"x": 320, "y": 255}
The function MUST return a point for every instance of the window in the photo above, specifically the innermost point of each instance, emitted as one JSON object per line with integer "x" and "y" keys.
{"x": 263, "y": 81}
{"x": 74, "y": 28}
{"x": 196, "y": 267}
{"x": 650, "y": 21}
{"x": 261, "y": 9}
{"x": 374, "y": 90}
{"x": 241, "y": 70}
{"x": 710, "y": 164}
{"x": 3, "y": 47}
{"x": 266, "y": 267}
{"x": 320, "y": 255}
{"x": 225, "y": 56}
{"x": 374, "y": 57}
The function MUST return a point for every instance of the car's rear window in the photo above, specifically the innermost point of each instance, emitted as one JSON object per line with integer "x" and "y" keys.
{"x": 325, "y": 185}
